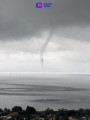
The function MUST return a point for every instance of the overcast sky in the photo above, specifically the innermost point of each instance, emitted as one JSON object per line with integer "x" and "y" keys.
{"x": 24, "y": 29}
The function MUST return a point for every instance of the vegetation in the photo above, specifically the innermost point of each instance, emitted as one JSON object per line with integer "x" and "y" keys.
{"x": 31, "y": 114}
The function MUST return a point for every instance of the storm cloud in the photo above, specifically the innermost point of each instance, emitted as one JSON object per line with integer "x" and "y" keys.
{"x": 24, "y": 30}
{"x": 20, "y": 19}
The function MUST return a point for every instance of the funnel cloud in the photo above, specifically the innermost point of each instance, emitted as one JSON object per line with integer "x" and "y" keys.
{"x": 44, "y": 47}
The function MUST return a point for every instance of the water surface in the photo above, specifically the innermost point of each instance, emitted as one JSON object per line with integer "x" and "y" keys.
{"x": 45, "y": 90}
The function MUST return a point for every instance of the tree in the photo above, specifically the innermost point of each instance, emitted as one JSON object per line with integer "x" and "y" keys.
{"x": 29, "y": 111}
{"x": 16, "y": 109}
{"x": 6, "y": 111}
{"x": 48, "y": 111}
{"x": 1, "y": 111}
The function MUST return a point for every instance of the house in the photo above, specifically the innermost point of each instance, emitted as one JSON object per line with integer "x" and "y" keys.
{"x": 71, "y": 118}
{"x": 11, "y": 116}
{"x": 86, "y": 117}
{"x": 51, "y": 117}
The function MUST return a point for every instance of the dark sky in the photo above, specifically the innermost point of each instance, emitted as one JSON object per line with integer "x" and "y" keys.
{"x": 20, "y": 19}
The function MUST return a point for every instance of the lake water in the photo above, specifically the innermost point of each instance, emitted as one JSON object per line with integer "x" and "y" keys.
{"x": 45, "y": 90}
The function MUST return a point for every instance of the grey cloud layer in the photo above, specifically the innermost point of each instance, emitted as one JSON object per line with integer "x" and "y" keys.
{"x": 20, "y": 19}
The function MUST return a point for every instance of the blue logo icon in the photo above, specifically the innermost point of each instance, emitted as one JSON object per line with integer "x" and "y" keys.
{"x": 39, "y": 5}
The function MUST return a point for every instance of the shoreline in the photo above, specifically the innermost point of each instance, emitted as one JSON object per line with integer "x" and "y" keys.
{"x": 30, "y": 113}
